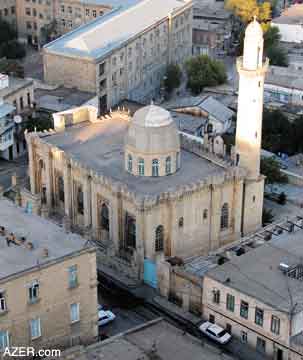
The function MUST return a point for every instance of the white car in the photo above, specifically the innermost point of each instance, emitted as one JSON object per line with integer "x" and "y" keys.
{"x": 105, "y": 316}
{"x": 215, "y": 332}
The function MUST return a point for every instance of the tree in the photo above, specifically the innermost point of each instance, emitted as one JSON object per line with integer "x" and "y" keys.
{"x": 276, "y": 54}
{"x": 12, "y": 50}
{"x": 11, "y": 67}
{"x": 282, "y": 198}
{"x": 271, "y": 169}
{"x": 172, "y": 78}
{"x": 203, "y": 71}
{"x": 49, "y": 32}
{"x": 7, "y": 32}
{"x": 247, "y": 9}
{"x": 43, "y": 122}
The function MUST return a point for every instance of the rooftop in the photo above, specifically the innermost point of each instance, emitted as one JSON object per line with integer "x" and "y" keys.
{"x": 152, "y": 341}
{"x": 257, "y": 273}
{"x": 15, "y": 84}
{"x": 41, "y": 233}
{"x": 101, "y": 36}
{"x": 100, "y": 147}
{"x": 292, "y": 15}
{"x": 60, "y": 99}
{"x": 289, "y": 80}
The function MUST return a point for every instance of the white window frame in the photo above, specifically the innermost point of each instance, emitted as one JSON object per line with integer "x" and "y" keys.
{"x": 33, "y": 321}
{"x": 3, "y": 307}
{"x": 5, "y": 336}
{"x": 77, "y": 318}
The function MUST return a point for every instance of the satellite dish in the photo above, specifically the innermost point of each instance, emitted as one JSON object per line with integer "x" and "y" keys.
{"x": 17, "y": 119}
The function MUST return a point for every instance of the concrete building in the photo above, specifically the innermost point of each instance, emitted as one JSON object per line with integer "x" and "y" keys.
{"x": 155, "y": 33}
{"x": 48, "y": 281}
{"x": 59, "y": 15}
{"x": 8, "y": 11}
{"x": 16, "y": 96}
{"x": 149, "y": 341}
{"x": 290, "y": 24}
{"x": 212, "y": 29}
{"x": 257, "y": 296}
{"x": 284, "y": 85}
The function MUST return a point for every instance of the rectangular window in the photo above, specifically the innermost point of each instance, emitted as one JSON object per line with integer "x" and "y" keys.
{"x": 259, "y": 314}
{"x": 244, "y": 309}
{"x": 73, "y": 276}
{"x": 230, "y": 302}
{"x": 275, "y": 325}
{"x": 33, "y": 292}
{"x": 74, "y": 313}
{"x": 4, "y": 339}
{"x": 244, "y": 337}
{"x": 101, "y": 69}
{"x": 216, "y": 296}
{"x": 261, "y": 345}
{"x": 2, "y": 302}
{"x": 35, "y": 328}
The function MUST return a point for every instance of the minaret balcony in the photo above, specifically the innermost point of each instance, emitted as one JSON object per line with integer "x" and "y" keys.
{"x": 259, "y": 71}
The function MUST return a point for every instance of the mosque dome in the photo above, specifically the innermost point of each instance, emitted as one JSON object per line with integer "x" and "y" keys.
{"x": 152, "y": 144}
{"x": 254, "y": 30}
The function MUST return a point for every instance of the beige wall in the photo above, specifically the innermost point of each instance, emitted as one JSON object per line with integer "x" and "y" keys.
{"x": 238, "y": 323}
{"x": 8, "y": 11}
{"x": 53, "y": 307}
{"x": 70, "y": 72}
{"x": 15, "y": 98}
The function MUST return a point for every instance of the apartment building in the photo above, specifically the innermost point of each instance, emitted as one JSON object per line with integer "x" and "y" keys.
{"x": 257, "y": 296}
{"x": 125, "y": 53}
{"x": 8, "y": 11}
{"x": 48, "y": 283}
{"x": 62, "y": 15}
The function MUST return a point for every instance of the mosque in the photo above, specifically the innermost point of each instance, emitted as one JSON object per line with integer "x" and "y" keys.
{"x": 144, "y": 192}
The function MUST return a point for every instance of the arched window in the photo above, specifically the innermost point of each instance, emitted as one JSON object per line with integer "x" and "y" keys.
{"x": 41, "y": 164}
{"x": 130, "y": 238}
{"x": 168, "y": 165}
{"x": 141, "y": 167}
{"x": 80, "y": 201}
{"x": 130, "y": 163}
{"x": 104, "y": 217}
{"x": 181, "y": 222}
{"x": 155, "y": 167}
{"x": 61, "y": 188}
{"x": 159, "y": 241}
{"x": 205, "y": 214}
{"x": 224, "y": 216}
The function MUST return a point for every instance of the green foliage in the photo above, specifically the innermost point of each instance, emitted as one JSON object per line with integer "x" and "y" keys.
{"x": 11, "y": 67}
{"x": 271, "y": 169}
{"x": 172, "y": 78}
{"x": 49, "y": 32}
{"x": 247, "y": 9}
{"x": 7, "y": 32}
{"x": 267, "y": 217}
{"x": 282, "y": 198}
{"x": 203, "y": 71}
{"x": 276, "y": 54}
{"x": 12, "y": 50}
{"x": 39, "y": 123}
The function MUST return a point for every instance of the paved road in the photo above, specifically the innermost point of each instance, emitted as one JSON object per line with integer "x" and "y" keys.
{"x": 9, "y": 168}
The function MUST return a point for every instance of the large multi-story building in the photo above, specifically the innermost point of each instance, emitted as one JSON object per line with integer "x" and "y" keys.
{"x": 125, "y": 53}
{"x": 59, "y": 16}
{"x": 48, "y": 283}
{"x": 8, "y": 11}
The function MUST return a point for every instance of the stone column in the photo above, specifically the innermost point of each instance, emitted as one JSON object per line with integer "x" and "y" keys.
{"x": 140, "y": 245}
{"x": 67, "y": 189}
{"x": 49, "y": 179}
{"x": 32, "y": 165}
{"x": 87, "y": 191}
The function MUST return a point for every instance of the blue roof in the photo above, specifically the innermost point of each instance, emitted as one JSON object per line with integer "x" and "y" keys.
{"x": 96, "y": 39}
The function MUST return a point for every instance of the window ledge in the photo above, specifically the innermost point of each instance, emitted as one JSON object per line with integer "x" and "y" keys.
{"x": 3, "y": 312}
{"x": 33, "y": 301}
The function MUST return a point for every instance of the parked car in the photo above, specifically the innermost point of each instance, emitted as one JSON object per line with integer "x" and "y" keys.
{"x": 215, "y": 332}
{"x": 105, "y": 316}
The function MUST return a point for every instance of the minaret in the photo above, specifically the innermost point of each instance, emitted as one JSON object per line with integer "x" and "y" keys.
{"x": 252, "y": 70}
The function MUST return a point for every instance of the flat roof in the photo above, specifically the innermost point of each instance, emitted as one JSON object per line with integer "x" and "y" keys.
{"x": 154, "y": 340}
{"x": 100, "y": 147}
{"x": 42, "y": 233}
{"x": 257, "y": 272}
{"x": 98, "y": 38}
{"x": 293, "y": 15}
{"x": 290, "y": 81}
{"x": 15, "y": 84}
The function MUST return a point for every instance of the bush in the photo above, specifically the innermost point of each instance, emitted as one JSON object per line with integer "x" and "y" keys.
{"x": 173, "y": 78}
{"x": 282, "y": 198}
{"x": 12, "y": 50}
{"x": 202, "y": 71}
{"x": 267, "y": 217}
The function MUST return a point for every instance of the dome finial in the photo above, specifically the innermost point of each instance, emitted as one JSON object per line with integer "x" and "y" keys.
{"x": 255, "y": 18}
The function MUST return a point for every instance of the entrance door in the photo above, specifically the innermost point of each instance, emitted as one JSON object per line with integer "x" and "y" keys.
{"x": 150, "y": 273}
{"x": 103, "y": 104}
{"x": 279, "y": 354}
{"x": 11, "y": 152}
